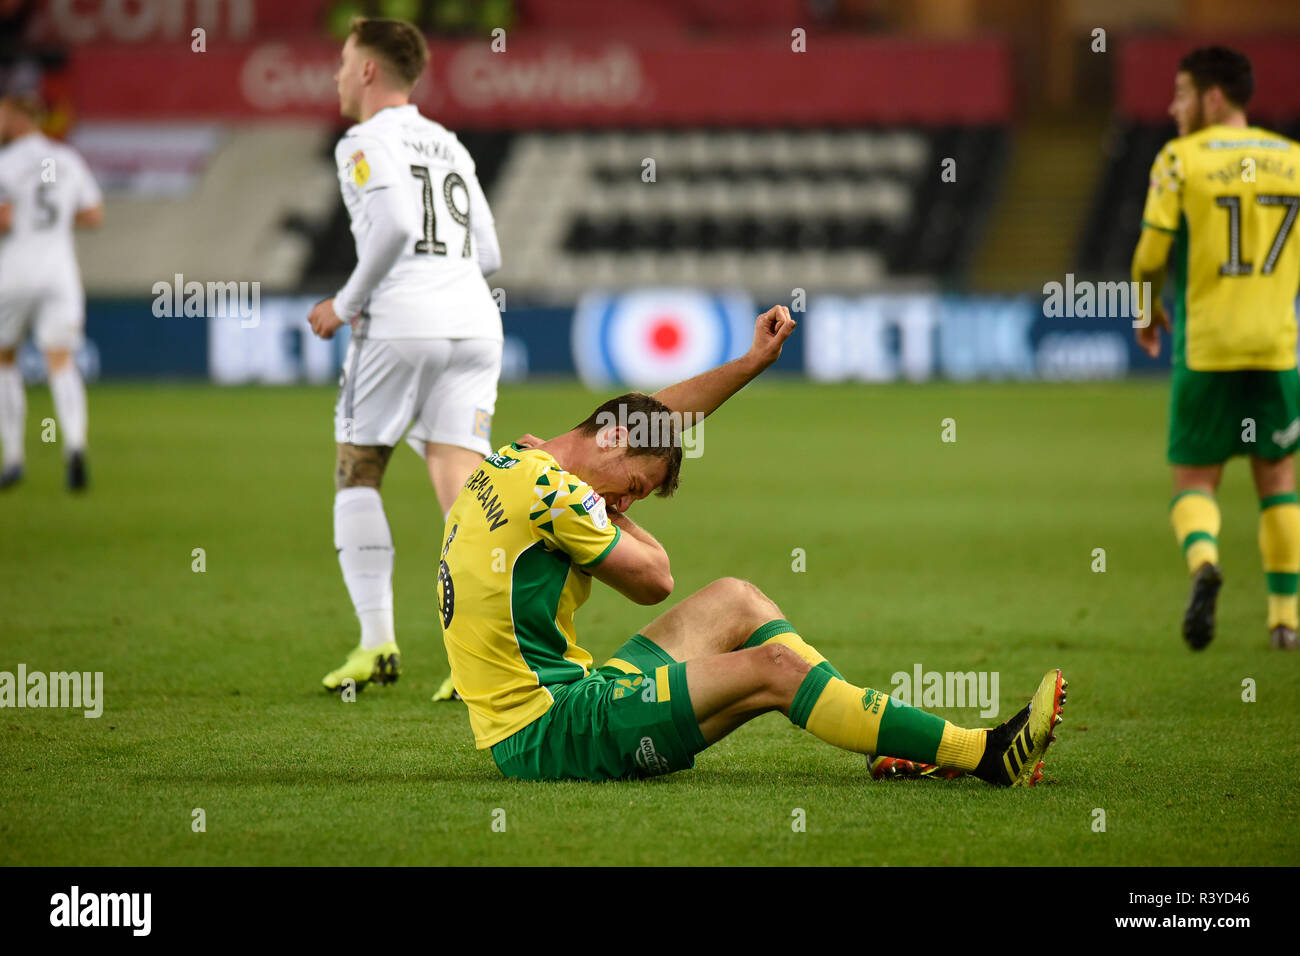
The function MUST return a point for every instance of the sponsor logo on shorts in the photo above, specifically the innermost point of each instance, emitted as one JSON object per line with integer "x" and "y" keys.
{"x": 648, "y": 759}
{"x": 482, "y": 422}
{"x": 1288, "y": 435}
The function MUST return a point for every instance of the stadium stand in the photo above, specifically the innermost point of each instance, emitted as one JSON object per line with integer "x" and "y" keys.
{"x": 218, "y": 227}
{"x": 766, "y": 209}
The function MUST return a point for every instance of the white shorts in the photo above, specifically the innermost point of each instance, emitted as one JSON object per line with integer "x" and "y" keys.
{"x": 57, "y": 317}
{"x": 445, "y": 390}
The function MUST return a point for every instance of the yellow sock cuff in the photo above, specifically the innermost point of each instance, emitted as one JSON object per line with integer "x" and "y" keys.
{"x": 1284, "y": 609}
{"x": 1195, "y": 517}
{"x": 960, "y": 747}
{"x": 840, "y": 718}
{"x": 782, "y": 632}
{"x": 1279, "y": 536}
{"x": 1201, "y": 552}
{"x": 1279, "y": 550}
{"x": 799, "y": 646}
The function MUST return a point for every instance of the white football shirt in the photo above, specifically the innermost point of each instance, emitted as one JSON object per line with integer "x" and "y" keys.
{"x": 424, "y": 234}
{"x": 46, "y": 183}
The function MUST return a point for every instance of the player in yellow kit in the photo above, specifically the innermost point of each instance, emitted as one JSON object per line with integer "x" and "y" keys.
{"x": 1221, "y": 211}
{"x": 539, "y": 520}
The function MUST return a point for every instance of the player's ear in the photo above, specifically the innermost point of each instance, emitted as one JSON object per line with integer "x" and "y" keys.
{"x": 612, "y": 436}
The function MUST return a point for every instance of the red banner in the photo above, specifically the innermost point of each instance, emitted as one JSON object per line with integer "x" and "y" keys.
{"x": 1147, "y": 66}
{"x": 539, "y": 83}
{"x": 159, "y": 22}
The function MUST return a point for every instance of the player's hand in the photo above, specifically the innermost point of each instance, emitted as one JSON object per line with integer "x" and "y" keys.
{"x": 770, "y": 332}
{"x": 1148, "y": 338}
{"x": 324, "y": 321}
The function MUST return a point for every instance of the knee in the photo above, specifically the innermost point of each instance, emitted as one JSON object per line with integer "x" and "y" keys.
{"x": 8, "y": 356}
{"x": 782, "y": 672}
{"x": 57, "y": 359}
{"x": 745, "y": 602}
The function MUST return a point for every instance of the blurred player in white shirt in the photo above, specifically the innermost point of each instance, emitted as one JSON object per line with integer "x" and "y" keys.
{"x": 426, "y": 345}
{"x": 45, "y": 192}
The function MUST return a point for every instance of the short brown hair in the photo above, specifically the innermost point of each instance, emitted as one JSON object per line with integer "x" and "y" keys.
{"x": 398, "y": 43}
{"x": 1219, "y": 66}
{"x": 662, "y": 437}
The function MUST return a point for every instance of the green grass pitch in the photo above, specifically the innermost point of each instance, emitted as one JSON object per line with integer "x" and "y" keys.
{"x": 973, "y": 555}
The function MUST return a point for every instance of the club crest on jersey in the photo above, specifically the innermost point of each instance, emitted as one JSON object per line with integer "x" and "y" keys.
{"x": 360, "y": 168}
{"x": 594, "y": 505}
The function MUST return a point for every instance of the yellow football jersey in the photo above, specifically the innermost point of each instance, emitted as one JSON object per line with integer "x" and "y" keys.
{"x": 518, "y": 539}
{"x": 1229, "y": 196}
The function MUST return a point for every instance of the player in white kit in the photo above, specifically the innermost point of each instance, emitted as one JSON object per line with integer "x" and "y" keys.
{"x": 426, "y": 345}
{"x": 45, "y": 192}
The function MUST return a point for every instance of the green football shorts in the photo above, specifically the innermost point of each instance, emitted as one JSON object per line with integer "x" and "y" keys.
{"x": 630, "y": 717}
{"x": 1216, "y": 415}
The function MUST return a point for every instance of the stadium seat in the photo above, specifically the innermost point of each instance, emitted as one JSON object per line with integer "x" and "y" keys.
{"x": 839, "y": 208}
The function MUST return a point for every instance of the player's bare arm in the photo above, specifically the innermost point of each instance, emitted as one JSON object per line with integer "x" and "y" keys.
{"x": 703, "y": 394}
{"x": 638, "y": 567}
{"x": 1149, "y": 267}
{"x": 706, "y": 392}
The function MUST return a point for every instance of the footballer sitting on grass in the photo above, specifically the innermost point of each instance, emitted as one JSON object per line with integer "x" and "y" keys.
{"x": 557, "y": 510}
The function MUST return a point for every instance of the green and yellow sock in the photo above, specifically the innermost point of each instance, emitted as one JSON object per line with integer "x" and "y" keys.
{"x": 782, "y": 632}
{"x": 1279, "y": 548}
{"x": 869, "y": 722}
{"x": 1195, "y": 517}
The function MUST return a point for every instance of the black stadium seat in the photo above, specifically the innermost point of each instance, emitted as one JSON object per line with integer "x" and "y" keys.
{"x": 863, "y": 206}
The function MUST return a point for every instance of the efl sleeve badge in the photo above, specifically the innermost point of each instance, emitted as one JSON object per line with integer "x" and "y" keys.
{"x": 360, "y": 168}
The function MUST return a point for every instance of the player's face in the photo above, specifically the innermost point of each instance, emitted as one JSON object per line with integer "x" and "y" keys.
{"x": 1186, "y": 108}
{"x": 623, "y": 479}
{"x": 349, "y": 79}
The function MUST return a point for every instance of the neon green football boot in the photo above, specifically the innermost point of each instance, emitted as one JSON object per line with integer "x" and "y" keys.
{"x": 1013, "y": 752}
{"x": 446, "y": 691}
{"x": 378, "y": 665}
